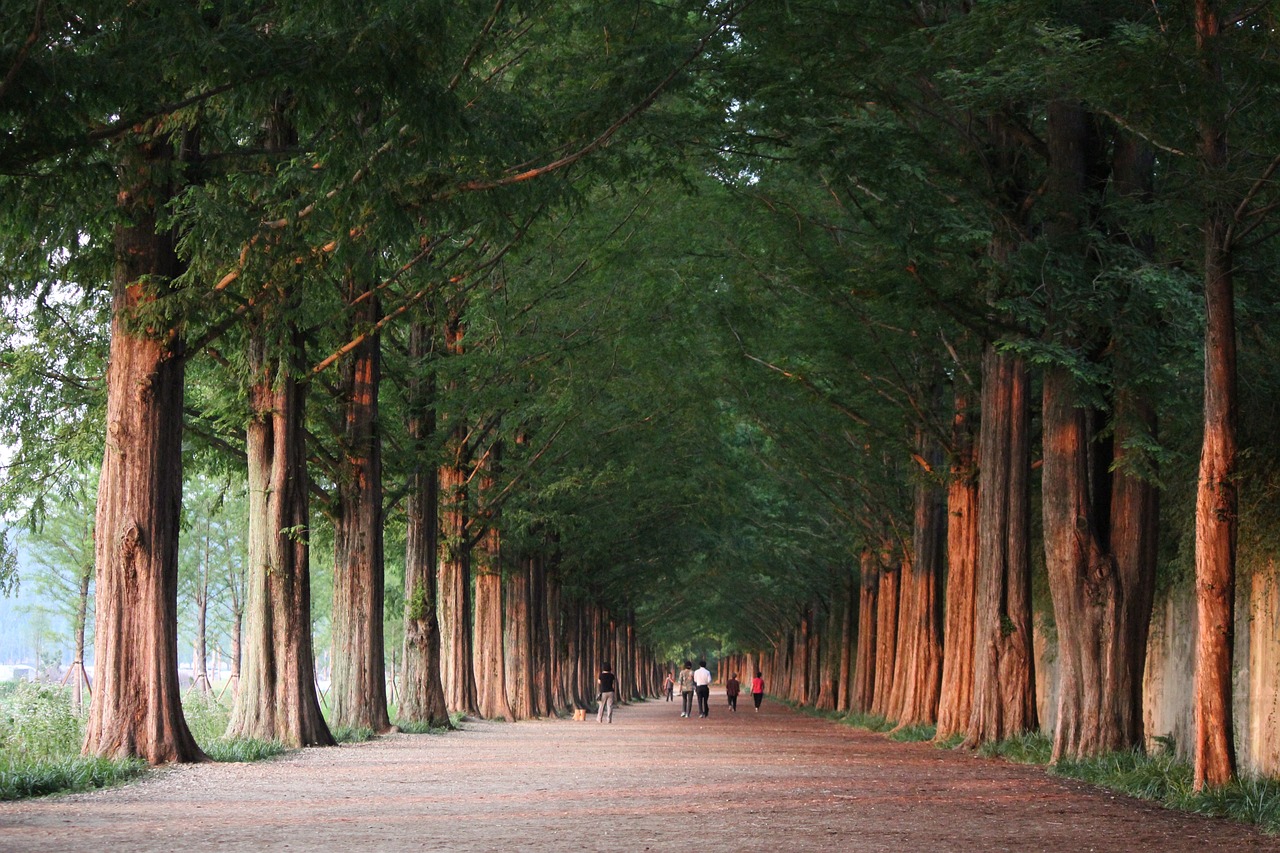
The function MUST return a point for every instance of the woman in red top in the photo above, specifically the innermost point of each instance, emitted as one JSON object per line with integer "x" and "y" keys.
{"x": 757, "y": 689}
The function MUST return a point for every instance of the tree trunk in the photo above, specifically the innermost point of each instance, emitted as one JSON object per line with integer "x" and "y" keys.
{"x": 868, "y": 610}
{"x": 491, "y": 690}
{"x": 454, "y": 576}
{"x": 136, "y": 709}
{"x": 886, "y": 632}
{"x": 78, "y": 629}
{"x": 518, "y": 630}
{"x": 276, "y": 699}
{"x": 956, "y": 694}
{"x": 422, "y": 697}
{"x": 358, "y": 698}
{"x": 1216, "y": 500}
{"x": 1004, "y": 664}
{"x": 848, "y": 630}
{"x": 919, "y": 658}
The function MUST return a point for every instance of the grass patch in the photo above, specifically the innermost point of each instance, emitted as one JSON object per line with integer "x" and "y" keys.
{"x": 870, "y": 722}
{"x": 914, "y": 733}
{"x": 950, "y": 742}
{"x": 353, "y": 734}
{"x": 420, "y": 727}
{"x": 38, "y": 777}
{"x": 244, "y": 749}
{"x": 1029, "y": 748}
{"x": 1165, "y": 779}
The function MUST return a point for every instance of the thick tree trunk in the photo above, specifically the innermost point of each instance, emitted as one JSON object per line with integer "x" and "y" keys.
{"x": 358, "y": 697}
{"x": 136, "y": 709}
{"x": 276, "y": 699}
{"x": 421, "y": 693}
{"x": 517, "y": 637}
{"x": 956, "y": 693}
{"x": 454, "y": 575}
{"x": 848, "y": 632}
{"x": 1004, "y": 663}
{"x": 491, "y": 690}
{"x": 1216, "y": 500}
{"x": 886, "y": 632}
{"x": 864, "y": 667}
{"x": 919, "y": 657}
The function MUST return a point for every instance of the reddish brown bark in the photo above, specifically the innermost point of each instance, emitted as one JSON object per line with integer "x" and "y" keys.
{"x": 358, "y": 698}
{"x": 864, "y": 667}
{"x": 454, "y": 576}
{"x": 956, "y": 693}
{"x": 276, "y": 697}
{"x": 490, "y": 665}
{"x": 518, "y": 639}
{"x": 421, "y": 693}
{"x": 886, "y": 631}
{"x": 846, "y": 640}
{"x": 918, "y": 659}
{"x": 1216, "y": 500}
{"x": 136, "y": 708}
{"x": 1004, "y": 662}
{"x": 1099, "y": 523}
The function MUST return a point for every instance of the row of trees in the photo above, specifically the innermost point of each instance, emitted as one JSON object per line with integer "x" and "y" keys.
{"x": 749, "y": 323}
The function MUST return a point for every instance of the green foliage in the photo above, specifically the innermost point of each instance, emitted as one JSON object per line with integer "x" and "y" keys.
{"x": 243, "y": 749}
{"x": 913, "y": 734}
{"x": 40, "y": 739}
{"x": 1029, "y": 748}
{"x": 37, "y": 723}
{"x": 418, "y": 727}
{"x": 353, "y": 734}
{"x": 28, "y": 778}
{"x": 1166, "y": 779}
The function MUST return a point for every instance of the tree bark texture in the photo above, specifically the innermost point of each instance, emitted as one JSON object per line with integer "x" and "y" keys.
{"x": 864, "y": 666}
{"x": 136, "y": 708}
{"x": 454, "y": 575}
{"x": 1216, "y": 498}
{"x": 421, "y": 692}
{"x": 886, "y": 631}
{"x": 1004, "y": 663}
{"x": 491, "y": 691}
{"x": 919, "y": 656}
{"x": 956, "y": 693}
{"x": 358, "y": 697}
{"x": 276, "y": 697}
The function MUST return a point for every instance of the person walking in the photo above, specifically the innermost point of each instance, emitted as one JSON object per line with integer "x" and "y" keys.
{"x": 702, "y": 683}
{"x": 757, "y": 689}
{"x": 731, "y": 689}
{"x": 686, "y": 689}
{"x": 669, "y": 685}
{"x": 608, "y": 690}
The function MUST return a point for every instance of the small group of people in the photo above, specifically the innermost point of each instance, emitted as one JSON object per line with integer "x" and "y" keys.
{"x": 697, "y": 682}
{"x": 693, "y": 682}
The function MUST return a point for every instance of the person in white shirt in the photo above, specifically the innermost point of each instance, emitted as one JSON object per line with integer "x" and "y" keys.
{"x": 702, "y": 685}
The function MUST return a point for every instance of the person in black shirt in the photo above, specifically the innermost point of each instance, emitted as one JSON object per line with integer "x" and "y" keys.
{"x": 608, "y": 689}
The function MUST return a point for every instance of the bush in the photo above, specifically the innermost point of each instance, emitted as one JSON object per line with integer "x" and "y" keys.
{"x": 37, "y": 723}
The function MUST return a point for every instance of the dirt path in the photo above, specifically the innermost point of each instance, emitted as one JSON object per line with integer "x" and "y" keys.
{"x": 770, "y": 781}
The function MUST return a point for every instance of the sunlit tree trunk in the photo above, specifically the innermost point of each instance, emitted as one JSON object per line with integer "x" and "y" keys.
{"x": 358, "y": 698}
{"x": 491, "y": 691}
{"x": 136, "y": 708}
{"x": 1004, "y": 663}
{"x": 956, "y": 694}
{"x": 1216, "y": 499}
{"x": 864, "y": 666}
{"x": 886, "y": 630}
